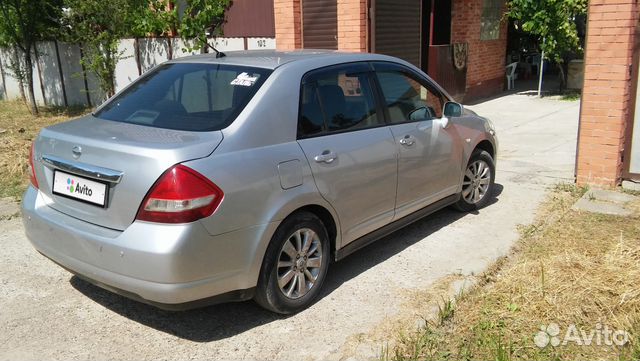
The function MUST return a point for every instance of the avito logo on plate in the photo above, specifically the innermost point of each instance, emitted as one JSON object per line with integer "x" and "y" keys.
{"x": 74, "y": 187}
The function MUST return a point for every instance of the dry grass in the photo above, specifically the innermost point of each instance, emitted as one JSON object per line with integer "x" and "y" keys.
{"x": 18, "y": 128}
{"x": 568, "y": 268}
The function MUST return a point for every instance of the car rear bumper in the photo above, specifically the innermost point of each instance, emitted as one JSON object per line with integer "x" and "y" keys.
{"x": 169, "y": 266}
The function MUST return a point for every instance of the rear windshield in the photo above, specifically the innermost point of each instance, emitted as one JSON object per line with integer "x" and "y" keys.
{"x": 186, "y": 96}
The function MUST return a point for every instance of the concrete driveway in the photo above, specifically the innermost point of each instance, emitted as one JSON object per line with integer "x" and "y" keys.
{"x": 45, "y": 313}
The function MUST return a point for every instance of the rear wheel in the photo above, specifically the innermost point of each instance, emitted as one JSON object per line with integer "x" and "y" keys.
{"x": 295, "y": 265}
{"x": 478, "y": 182}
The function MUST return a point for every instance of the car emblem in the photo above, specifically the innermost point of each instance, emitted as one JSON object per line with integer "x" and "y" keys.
{"x": 77, "y": 151}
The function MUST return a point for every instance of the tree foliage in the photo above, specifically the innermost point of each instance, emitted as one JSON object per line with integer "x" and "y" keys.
{"x": 22, "y": 24}
{"x": 201, "y": 18}
{"x": 98, "y": 26}
{"x": 553, "y": 21}
{"x": 156, "y": 18}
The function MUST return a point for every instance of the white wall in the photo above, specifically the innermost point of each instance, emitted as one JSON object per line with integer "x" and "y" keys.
{"x": 261, "y": 43}
{"x": 50, "y": 72}
{"x": 227, "y": 44}
{"x": 72, "y": 74}
{"x": 179, "y": 47}
{"x": 11, "y": 83}
{"x": 151, "y": 52}
{"x": 127, "y": 67}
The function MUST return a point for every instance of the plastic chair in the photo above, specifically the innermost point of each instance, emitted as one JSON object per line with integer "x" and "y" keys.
{"x": 511, "y": 75}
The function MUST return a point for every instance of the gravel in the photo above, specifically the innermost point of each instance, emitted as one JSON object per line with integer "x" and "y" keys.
{"x": 46, "y": 313}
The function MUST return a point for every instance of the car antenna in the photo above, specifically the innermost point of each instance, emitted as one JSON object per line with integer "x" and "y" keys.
{"x": 219, "y": 54}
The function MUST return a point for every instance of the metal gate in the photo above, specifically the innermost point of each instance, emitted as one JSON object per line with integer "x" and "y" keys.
{"x": 320, "y": 24}
{"x": 443, "y": 69}
{"x": 397, "y": 25}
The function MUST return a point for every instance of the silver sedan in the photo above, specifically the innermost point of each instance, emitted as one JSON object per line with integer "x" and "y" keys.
{"x": 213, "y": 179}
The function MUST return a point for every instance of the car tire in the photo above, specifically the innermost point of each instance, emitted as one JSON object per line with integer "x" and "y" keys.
{"x": 288, "y": 259}
{"x": 478, "y": 182}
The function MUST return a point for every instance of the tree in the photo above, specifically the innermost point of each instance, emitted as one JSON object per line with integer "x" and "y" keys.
{"x": 23, "y": 23}
{"x": 98, "y": 25}
{"x": 157, "y": 18}
{"x": 202, "y": 18}
{"x": 554, "y": 23}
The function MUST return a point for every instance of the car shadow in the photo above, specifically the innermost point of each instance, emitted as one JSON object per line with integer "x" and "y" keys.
{"x": 221, "y": 321}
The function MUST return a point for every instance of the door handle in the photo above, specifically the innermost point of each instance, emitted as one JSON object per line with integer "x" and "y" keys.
{"x": 326, "y": 157}
{"x": 407, "y": 140}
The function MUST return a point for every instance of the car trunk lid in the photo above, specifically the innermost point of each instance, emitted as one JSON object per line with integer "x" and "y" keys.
{"x": 126, "y": 158}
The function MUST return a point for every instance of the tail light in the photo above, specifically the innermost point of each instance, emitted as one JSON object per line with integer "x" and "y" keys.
{"x": 33, "y": 179}
{"x": 180, "y": 195}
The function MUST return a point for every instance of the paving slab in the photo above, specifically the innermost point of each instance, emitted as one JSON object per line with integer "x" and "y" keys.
{"x": 633, "y": 186}
{"x": 610, "y": 196}
{"x": 595, "y": 206}
{"x": 605, "y": 202}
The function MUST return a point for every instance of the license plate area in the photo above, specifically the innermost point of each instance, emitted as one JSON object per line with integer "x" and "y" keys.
{"x": 80, "y": 188}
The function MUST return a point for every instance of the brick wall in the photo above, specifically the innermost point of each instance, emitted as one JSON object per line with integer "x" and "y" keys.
{"x": 288, "y": 26}
{"x": 485, "y": 75}
{"x": 606, "y": 95}
{"x": 352, "y": 25}
{"x": 486, "y": 58}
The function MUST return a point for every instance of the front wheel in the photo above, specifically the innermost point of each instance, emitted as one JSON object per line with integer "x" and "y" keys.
{"x": 478, "y": 182}
{"x": 295, "y": 265}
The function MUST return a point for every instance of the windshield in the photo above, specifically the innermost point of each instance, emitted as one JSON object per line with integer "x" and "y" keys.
{"x": 187, "y": 96}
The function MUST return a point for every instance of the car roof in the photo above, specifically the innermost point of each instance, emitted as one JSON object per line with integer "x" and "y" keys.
{"x": 272, "y": 59}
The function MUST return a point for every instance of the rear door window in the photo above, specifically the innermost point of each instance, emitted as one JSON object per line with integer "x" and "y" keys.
{"x": 338, "y": 99}
{"x": 187, "y": 96}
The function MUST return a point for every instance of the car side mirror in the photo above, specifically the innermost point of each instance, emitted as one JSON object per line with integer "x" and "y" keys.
{"x": 419, "y": 114}
{"x": 452, "y": 109}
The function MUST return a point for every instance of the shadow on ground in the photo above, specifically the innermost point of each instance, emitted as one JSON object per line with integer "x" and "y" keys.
{"x": 226, "y": 320}
{"x": 527, "y": 87}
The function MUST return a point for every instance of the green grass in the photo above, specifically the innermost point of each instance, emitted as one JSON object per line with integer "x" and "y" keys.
{"x": 446, "y": 311}
{"x": 18, "y": 128}
{"x": 568, "y": 268}
{"x": 571, "y": 96}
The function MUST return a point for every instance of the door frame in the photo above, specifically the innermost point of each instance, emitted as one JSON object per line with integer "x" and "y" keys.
{"x": 632, "y": 117}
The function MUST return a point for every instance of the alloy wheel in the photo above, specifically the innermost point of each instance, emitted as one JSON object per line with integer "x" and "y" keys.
{"x": 477, "y": 180}
{"x": 299, "y": 263}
